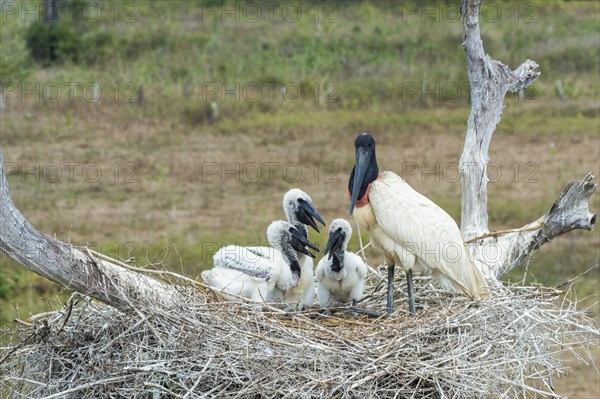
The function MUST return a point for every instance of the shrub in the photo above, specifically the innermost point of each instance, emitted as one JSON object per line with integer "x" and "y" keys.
{"x": 99, "y": 47}
{"x": 53, "y": 43}
{"x": 13, "y": 61}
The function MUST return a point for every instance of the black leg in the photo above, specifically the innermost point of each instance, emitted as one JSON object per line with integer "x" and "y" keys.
{"x": 390, "y": 293}
{"x": 353, "y": 302}
{"x": 411, "y": 292}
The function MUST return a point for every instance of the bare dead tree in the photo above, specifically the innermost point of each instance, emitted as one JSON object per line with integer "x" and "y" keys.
{"x": 490, "y": 80}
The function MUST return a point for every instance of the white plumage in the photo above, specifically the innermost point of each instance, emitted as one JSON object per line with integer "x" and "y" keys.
{"x": 258, "y": 273}
{"x": 416, "y": 233}
{"x": 340, "y": 274}
{"x": 409, "y": 228}
{"x": 238, "y": 283}
{"x": 299, "y": 210}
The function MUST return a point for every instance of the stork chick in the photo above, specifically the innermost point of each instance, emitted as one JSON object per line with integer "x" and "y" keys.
{"x": 301, "y": 212}
{"x": 257, "y": 273}
{"x": 340, "y": 274}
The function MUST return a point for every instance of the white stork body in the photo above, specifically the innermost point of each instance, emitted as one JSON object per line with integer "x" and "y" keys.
{"x": 409, "y": 228}
{"x": 260, "y": 273}
{"x": 237, "y": 283}
{"x": 341, "y": 275}
{"x": 302, "y": 293}
{"x": 414, "y": 232}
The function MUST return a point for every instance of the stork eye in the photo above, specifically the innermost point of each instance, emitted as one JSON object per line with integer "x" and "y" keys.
{"x": 300, "y": 200}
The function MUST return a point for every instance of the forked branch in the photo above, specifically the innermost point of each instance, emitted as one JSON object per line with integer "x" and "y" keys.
{"x": 490, "y": 80}
{"x": 569, "y": 211}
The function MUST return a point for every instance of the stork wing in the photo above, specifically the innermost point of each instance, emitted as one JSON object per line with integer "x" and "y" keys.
{"x": 253, "y": 261}
{"x": 424, "y": 229}
{"x": 409, "y": 217}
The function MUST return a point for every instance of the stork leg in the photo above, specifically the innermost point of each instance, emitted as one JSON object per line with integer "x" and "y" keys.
{"x": 411, "y": 292}
{"x": 353, "y": 313}
{"x": 390, "y": 292}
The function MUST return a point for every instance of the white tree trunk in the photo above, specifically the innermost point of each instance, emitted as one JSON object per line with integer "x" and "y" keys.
{"x": 71, "y": 267}
{"x": 490, "y": 80}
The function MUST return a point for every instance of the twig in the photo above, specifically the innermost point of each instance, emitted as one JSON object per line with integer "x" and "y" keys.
{"x": 85, "y": 386}
{"x": 19, "y": 345}
{"x": 572, "y": 280}
{"x": 505, "y": 232}
{"x": 500, "y": 347}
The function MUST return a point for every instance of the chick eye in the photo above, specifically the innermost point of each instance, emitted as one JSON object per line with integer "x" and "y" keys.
{"x": 300, "y": 200}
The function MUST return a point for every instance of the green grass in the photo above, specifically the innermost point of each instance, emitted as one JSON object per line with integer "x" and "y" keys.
{"x": 365, "y": 52}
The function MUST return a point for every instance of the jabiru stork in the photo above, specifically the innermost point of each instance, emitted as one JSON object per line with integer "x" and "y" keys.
{"x": 409, "y": 228}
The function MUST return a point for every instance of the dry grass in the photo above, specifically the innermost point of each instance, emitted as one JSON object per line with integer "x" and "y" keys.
{"x": 169, "y": 174}
{"x": 508, "y": 346}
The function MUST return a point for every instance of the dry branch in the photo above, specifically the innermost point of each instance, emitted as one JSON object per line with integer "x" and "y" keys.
{"x": 569, "y": 211}
{"x": 490, "y": 80}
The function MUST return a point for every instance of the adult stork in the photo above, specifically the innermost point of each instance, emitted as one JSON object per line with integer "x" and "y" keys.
{"x": 409, "y": 228}
{"x": 340, "y": 274}
{"x": 256, "y": 272}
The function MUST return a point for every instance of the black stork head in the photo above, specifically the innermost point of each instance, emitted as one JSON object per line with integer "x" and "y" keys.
{"x": 286, "y": 238}
{"x": 365, "y": 169}
{"x": 283, "y": 235}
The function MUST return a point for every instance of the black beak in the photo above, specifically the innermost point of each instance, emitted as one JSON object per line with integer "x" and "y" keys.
{"x": 305, "y": 214}
{"x": 299, "y": 243}
{"x": 363, "y": 159}
{"x": 335, "y": 242}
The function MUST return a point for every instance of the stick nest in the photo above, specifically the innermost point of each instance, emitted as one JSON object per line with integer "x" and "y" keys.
{"x": 505, "y": 346}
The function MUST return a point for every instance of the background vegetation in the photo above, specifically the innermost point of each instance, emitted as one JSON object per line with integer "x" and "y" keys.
{"x": 144, "y": 100}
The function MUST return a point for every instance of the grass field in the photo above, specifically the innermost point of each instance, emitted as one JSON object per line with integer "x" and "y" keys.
{"x": 180, "y": 125}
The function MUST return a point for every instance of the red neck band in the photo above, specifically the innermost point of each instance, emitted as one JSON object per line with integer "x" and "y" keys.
{"x": 361, "y": 201}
